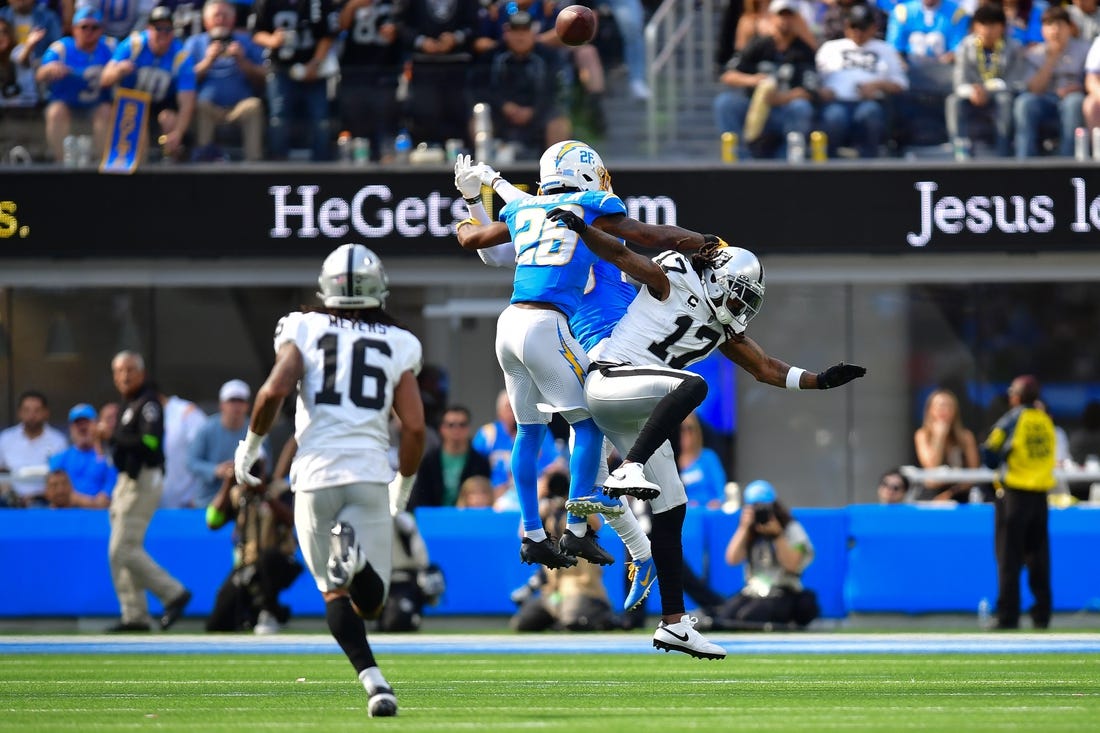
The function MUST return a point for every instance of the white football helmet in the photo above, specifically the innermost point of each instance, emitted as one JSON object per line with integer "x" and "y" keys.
{"x": 572, "y": 164}
{"x": 353, "y": 277}
{"x": 735, "y": 287}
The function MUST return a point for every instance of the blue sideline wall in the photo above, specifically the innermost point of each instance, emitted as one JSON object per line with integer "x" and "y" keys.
{"x": 900, "y": 559}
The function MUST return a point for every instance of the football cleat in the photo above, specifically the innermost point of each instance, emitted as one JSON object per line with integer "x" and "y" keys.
{"x": 597, "y": 502}
{"x": 682, "y": 637}
{"x": 174, "y": 609}
{"x": 382, "y": 703}
{"x": 642, "y": 573}
{"x": 545, "y": 553}
{"x": 630, "y": 479}
{"x": 346, "y": 558}
{"x": 586, "y": 547}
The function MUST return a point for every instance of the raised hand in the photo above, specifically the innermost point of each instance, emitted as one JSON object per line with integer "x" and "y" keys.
{"x": 839, "y": 374}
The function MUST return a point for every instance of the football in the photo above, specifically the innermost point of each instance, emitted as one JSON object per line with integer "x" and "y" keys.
{"x": 575, "y": 25}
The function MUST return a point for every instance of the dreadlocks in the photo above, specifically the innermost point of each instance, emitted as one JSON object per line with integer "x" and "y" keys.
{"x": 707, "y": 255}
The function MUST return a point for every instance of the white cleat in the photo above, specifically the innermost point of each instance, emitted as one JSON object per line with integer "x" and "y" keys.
{"x": 382, "y": 703}
{"x": 266, "y": 624}
{"x": 682, "y": 637}
{"x": 630, "y": 479}
{"x": 346, "y": 558}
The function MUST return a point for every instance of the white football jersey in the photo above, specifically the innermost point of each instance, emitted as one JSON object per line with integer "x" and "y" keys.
{"x": 345, "y": 396}
{"x": 675, "y": 332}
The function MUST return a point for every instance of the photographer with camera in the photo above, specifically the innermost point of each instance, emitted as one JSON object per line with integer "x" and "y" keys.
{"x": 776, "y": 551}
{"x": 229, "y": 70}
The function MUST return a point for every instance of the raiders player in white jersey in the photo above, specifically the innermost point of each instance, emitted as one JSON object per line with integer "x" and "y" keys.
{"x": 638, "y": 393}
{"x": 351, "y": 364}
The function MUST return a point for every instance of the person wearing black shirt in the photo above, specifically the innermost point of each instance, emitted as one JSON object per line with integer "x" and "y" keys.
{"x": 369, "y": 71}
{"x": 138, "y": 450}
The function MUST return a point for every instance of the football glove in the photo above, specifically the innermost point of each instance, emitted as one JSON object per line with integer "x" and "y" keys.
{"x": 468, "y": 177}
{"x": 400, "y": 489}
{"x": 248, "y": 452}
{"x": 569, "y": 219}
{"x": 839, "y": 374}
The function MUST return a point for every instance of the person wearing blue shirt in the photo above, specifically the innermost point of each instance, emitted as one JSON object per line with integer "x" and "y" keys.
{"x": 90, "y": 471}
{"x": 926, "y": 33}
{"x": 27, "y": 17}
{"x": 700, "y": 467}
{"x": 228, "y": 69}
{"x": 210, "y": 455}
{"x": 155, "y": 62}
{"x": 70, "y": 70}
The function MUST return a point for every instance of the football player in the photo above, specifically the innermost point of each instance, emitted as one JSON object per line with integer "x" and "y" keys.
{"x": 351, "y": 363}
{"x": 687, "y": 307}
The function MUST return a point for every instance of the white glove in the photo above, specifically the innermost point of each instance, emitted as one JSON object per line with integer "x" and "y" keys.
{"x": 488, "y": 175}
{"x": 400, "y": 488}
{"x": 248, "y": 452}
{"x": 467, "y": 177}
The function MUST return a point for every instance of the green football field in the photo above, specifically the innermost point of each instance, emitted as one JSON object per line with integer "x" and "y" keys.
{"x": 554, "y": 692}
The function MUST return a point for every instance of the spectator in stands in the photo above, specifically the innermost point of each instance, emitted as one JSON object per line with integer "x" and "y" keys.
{"x": 943, "y": 440}
{"x": 415, "y": 581}
{"x": 34, "y": 25}
{"x": 60, "y": 494}
{"x": 17, "y": 85}
{"x": 774, "y": 86}
{"x": 858, "y": 72}
{"x": 264, "y": 561}
{"x": 776, "y": 551}
{"x": 70, "y": 70}
{"x": 1024, "y": 20}
{"x": 701, "y": 469}
{"x": 443, "y": 470}
{"x": 369, "y": 71}
{"x": 757, "y": 21}
{"x": 210, "y": 454}
{"x": 1085, "y": 15}
{"x": 525, "y": 91}
{"x": 26, "y": 448}
{"x": 987, "y": 71}
{"x": 438, "y": 38}
{"x": 1055, "y": 86}
{"x": 630, "y": 18}
{"x": 1090, "y": 107}
{"x": 155, "y": 62}
{"x": 228, "y": 71}
{"x": 893, "y": 488}
{"x": 1021, "y": 531}
{"x": 573, "y": 598}
{"x": 105, "y": 428}
{"x": 86, "y": 469}
{"x": 120, "y": 19}
{"x": 138, "y": 443}
{"x": 298, "y": 37}
{"x": 475, "y": 493}
{"x": 182, "y": 422}
{"x": 832, "y": 20}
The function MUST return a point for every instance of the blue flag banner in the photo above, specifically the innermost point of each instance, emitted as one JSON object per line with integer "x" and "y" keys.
{"x": 126, "y": 144}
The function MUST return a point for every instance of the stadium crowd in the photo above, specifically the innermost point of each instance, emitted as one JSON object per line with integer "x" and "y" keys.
{"x": 366, "y": 79}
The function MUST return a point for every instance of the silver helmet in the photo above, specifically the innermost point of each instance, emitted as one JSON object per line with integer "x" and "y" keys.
{"x": 353, "y": 277}
{"x": 734, "y": 285}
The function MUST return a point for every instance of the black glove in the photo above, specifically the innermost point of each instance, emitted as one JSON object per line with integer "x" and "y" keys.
{"x": 569, "y": 219}
{"x": 839, "y": 374}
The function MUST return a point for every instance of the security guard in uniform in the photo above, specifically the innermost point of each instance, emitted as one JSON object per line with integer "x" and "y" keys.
{"x": 1021, "y": 448}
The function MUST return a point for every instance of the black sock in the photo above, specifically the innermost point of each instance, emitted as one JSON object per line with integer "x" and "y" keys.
{"x": 664, "y": 422}
{"x": 350, "y": 633}
{"x": 368, "y": 592}
{"x": 668, "y": 557}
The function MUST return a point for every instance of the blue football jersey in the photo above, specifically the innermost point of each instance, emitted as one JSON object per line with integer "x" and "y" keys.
{"x": 918, "y": 32}
{"x": 552, "y": 263}
{"x": 158, "y": 75}
{"x": 605, "y": 300}
{"x": 80, "y": 88}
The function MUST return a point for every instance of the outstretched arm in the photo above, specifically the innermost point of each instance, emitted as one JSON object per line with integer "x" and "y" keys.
{"x": 747, "y": 354}
{"x": 606, "y": 247}
{"x": 652, "y": 236}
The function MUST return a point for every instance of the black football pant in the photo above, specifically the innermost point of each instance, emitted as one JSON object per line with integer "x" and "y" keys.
{"x": 1022, "y": 538}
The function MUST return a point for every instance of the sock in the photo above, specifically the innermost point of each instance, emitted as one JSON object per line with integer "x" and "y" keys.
{"x": 664, "y": 421}
{"x": 630, "y": 532}
{"x": 579, "y": 529}
{"x": 584, "y": 460}
{"x": 350, "y": 633}
{"x": 372, "y": 679}
{"x": 525, "y": 454}
{"x": 668, "y": 557}
{"x": 535, "y": 535}
{"x": 368, "y": 592}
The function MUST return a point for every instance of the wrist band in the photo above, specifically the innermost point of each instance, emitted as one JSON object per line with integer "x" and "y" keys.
{"x": 794, "y": 376}
{"x": 253, "y": 441}
{"x": 473, "y": 200}
{"x": 493, "y": 183}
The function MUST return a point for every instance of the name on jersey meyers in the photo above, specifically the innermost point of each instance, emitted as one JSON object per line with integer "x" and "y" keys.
{"x": 942, "y": 213}
{"x": 375, "y": 212}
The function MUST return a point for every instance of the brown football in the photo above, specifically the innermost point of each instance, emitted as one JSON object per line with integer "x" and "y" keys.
{"x": 575, "y": 25}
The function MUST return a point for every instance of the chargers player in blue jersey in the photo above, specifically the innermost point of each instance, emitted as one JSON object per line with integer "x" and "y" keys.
{"x": 155, "y": 61}
{"x": 70, "y": 70}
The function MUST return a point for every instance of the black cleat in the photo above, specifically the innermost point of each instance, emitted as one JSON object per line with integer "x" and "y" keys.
{"x": 586, "y": 547}
{"x": 174, "y": 609}
{"x": 544, "y": 553}
{"x": 129, "y": 627}
{"x": 382, "y": 703}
